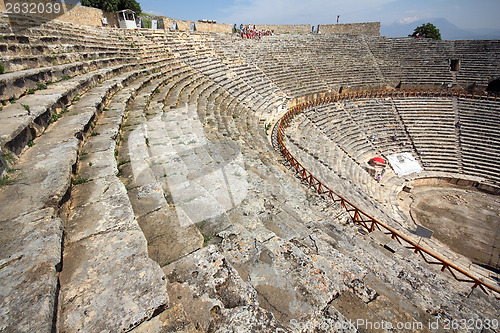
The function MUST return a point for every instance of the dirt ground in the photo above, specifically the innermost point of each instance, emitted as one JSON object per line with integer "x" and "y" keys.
{"x": 467, "y": 221}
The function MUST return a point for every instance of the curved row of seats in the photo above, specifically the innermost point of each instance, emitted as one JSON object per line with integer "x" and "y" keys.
{"x": 425, "y": 127}
{"x": 69, "y": 221}
{"x": 479, "y": 138}
{"x": 166, "y": 157}
{"x": 175, "y": 126}
{"x": 308, "y": 64}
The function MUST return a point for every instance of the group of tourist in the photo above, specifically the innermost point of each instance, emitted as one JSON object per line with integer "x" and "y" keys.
{"x": 247, "y": 32}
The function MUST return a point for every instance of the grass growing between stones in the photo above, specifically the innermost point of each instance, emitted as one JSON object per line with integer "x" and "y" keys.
{"x": 5, "y": 180}
{"x": 80, "y": 180}
{"x": 206, "y": 239}
{"x": 41, "y": 86}
{"x": 206, "y": 228}
{"x": 268, "y": 127}
{"x": 54, "y": 118}
{"x": 122, "y": 163}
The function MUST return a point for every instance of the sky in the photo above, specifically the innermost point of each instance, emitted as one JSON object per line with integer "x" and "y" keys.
{"x": 480, "y": 14}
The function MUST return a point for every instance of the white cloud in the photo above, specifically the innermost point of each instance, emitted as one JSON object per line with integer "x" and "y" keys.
{"x": 153, "y": 13}
{"x": 408, "y": 20}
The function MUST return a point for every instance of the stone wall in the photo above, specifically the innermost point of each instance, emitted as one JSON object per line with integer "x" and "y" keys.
{"x": 285, "y": 29}
{"x": 200, "y": 26}
{"x": 68, "y": 13}
{"x": 228, "y": 28}
{"x": 93, "y": 17}
{"x": 371, "y": 28}
{"x": 368, "y": 28}
{"x": 465, "y": 181}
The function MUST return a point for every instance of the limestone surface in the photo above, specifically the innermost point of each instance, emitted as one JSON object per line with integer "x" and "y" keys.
{"x": 109, "y": 283}
{"x": 30, "y": 248}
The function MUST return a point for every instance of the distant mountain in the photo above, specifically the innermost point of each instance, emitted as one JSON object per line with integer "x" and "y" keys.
{"x": 448, "y": 30}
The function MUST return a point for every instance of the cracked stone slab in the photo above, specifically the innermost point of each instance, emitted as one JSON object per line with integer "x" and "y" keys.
{"x": 109, "y": 127}
{"x": 147, "y": 198}
{"x": 204, "y": 282}
{"x": 30, "y": 254}
{"x": 173, "y": 319}
{"x": 72, "y": 123}
{"x": 339, "y": 267}
{"x": 109, "y": 284}
{"x": 15, "y": 117}
{"x": 168, "y": 241}
{"x": 247, "y": 318}
{"x": 99, "y": 206}
{"x": 98, "y": 142}
{"x": 43, "y": 179}
{"x": 288, "y": 281}
{"x": 98, "y": 164}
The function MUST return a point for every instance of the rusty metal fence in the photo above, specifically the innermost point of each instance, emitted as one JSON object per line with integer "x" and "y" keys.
{"x": 360, "y": 217}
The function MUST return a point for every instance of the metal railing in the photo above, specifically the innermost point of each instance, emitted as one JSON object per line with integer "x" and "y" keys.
{"x": 360, "y": 217}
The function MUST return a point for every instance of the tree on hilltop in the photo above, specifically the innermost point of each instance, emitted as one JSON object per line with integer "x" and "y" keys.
{"x": 427, "y": 30}
{"x": 113, "y": 5}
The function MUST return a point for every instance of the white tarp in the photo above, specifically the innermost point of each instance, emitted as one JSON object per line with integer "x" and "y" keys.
{"x": 404, "y": 164}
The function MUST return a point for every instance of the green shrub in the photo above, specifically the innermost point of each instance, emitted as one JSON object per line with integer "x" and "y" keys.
{"x": 147, "y": 22}
{"x": 427, "y": 30}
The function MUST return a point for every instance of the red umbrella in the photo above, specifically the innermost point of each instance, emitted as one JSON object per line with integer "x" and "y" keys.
{"x": 379, "y": 160}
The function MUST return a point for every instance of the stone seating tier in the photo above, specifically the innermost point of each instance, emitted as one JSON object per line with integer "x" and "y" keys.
{"x": 133, "y": 145}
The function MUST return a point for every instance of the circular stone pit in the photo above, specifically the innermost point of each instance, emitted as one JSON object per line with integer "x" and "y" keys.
{"x": 465, "y": 220}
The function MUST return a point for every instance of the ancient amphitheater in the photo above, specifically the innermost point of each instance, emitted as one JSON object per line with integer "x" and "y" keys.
{"x": 197, "y": 182}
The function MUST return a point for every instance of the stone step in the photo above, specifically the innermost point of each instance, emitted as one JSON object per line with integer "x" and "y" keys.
{"x": 168, "y": 237}
{"x": 16, "y": 84}
{"x": 102, "y": 217}
{"x": 24, "y": 62}
{"x": 29, "y": 117}
{"x": 41, "y": 183}
{"x": 288, "y": 282}
{"x": 214, "y": 295}
{"x": 22, "y": 124}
